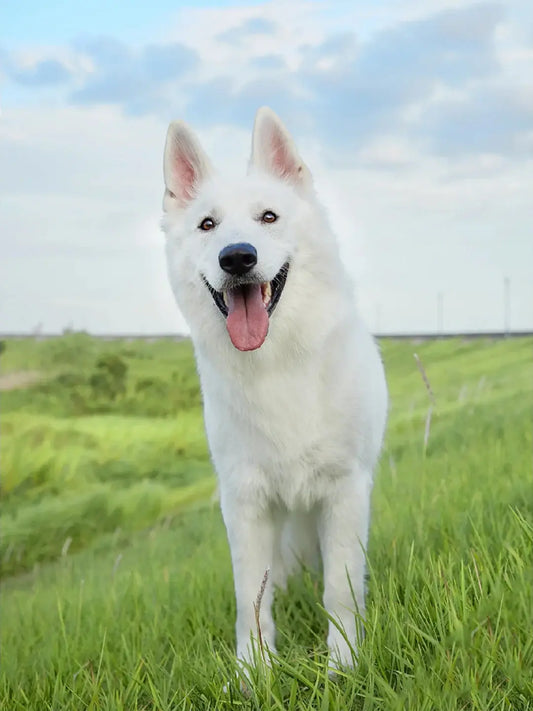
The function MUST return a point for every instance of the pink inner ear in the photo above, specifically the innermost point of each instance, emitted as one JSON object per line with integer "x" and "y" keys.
{"x": 186, "y": 176}
{"x": 282, "y": 161}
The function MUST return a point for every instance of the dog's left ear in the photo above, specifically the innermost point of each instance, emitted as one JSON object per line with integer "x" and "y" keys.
{"x": 274, "y": 152}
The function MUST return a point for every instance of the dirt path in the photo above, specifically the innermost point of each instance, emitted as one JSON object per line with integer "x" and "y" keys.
{"x": 19, "y": 379}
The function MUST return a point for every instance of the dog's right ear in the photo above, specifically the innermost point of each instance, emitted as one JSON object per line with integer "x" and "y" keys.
{"x": 185, "y": 166}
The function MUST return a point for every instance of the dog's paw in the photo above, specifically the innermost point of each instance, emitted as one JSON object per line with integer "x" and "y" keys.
{"x": 251, "y": 665}
{"x": 256, "y": 657}
{"x": 241, "y": 682}
{"x": 342, "y": 656}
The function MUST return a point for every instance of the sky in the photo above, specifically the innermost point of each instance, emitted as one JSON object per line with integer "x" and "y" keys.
{"x": 416, "y": 120}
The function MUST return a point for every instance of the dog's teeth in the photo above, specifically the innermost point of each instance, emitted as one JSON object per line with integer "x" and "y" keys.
{"x": 225, "y": 297}
{"x": 267, "y": 293}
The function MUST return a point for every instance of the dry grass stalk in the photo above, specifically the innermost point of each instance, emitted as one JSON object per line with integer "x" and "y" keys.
{"x": 257, "y": 610}
{"x": 477, "y": 575}
{"x": 431, "y": 399}
{"x": 66, "y": 546}
{"x": 116, "y": 564}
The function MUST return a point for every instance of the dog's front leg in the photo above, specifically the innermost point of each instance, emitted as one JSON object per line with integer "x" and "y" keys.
{"x": 343, "y": 530}
{"x": 251, "y": 534}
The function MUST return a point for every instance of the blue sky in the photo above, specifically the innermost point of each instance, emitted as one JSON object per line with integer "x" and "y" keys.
{"x": 416, "y": 120}
{"x": 32, "y": 21}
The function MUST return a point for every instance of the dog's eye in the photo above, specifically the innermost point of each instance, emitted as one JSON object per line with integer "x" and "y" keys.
{"x": 269, "y": 216}
{"x": 207, "y": 224}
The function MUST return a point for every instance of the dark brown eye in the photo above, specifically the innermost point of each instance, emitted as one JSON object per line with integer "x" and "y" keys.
{"x": 207, "y": 224}
{"x": 269, "y": 216}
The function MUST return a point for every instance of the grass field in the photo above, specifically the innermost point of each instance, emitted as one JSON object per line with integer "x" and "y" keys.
{"x": 117, "y": 589}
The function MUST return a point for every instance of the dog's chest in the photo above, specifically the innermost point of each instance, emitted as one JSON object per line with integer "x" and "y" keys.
{"x": 282, "y": 410}
{"x": 287, "y": 426}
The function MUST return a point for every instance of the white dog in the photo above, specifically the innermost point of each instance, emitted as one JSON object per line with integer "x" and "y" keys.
{"x": 294, "y": 392}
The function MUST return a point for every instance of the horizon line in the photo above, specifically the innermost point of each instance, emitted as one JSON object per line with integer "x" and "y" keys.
{"x": 182, "y": 336}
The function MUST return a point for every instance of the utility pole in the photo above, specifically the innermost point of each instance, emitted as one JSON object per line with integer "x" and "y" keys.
{"x": 507, "y": 305}
{"x": 440, "y": 312}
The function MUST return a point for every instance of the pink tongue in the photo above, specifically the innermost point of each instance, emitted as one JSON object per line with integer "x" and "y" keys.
{"x": 247, "y": 320}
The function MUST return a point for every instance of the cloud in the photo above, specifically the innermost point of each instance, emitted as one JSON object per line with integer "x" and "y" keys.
{"x": 364, "y": 90}
{"x": 234, "y": 105}
{"x": 44, "y": 73}
{"x": 129, "y": 77}
{"x": 396, "y": 81}
{"x": 29, "y": 70}
{"x": 105, "y": 71}
{"x": 487, "y": 120}
{"x": 250, "y": 28}
{"x": 79, "y": 225}
{"x": 350, "y": 92}
{"x": 268, "y": 62}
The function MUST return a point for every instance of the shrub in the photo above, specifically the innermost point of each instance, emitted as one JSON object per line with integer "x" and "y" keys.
{"x": 109, "y": 378}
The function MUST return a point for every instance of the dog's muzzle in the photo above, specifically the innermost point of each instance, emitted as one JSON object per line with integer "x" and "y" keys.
{"x": 245, "y": 302}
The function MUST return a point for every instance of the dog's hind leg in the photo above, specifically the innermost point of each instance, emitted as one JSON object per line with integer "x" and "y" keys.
{"x": 298, "y": 546}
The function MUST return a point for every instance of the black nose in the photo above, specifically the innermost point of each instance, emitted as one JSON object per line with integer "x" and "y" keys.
{"x": 238, "y": 259}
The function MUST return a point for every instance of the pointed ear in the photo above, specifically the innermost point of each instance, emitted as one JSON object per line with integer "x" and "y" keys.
{"x": 274, "y": 152}
{"x": 185, "y": 166}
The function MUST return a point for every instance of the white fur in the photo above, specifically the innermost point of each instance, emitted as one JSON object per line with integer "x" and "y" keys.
{"x": 294, "y": 427}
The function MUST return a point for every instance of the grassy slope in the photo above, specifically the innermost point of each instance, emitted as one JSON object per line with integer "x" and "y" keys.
{"x": 138, "y": 613}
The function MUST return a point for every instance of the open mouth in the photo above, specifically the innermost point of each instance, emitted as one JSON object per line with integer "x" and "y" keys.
{"x": 247, "y": 306}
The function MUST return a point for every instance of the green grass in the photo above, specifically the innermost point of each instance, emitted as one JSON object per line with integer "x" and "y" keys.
{"x": 117, "y": 589}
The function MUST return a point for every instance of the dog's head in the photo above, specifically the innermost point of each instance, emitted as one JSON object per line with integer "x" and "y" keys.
{"x": 231, "y": 245}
